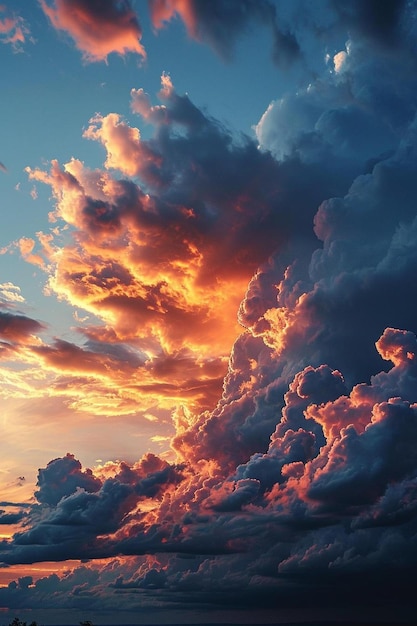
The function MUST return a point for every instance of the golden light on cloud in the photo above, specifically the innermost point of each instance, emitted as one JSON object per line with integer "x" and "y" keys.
{"x": 209, "y": 365}
{"x": 339, "y": 61}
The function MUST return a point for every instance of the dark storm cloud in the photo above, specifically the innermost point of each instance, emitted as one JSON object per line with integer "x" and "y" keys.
{"x": 370, "y": 438}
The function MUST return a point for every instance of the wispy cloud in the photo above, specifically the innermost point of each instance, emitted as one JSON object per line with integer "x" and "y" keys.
{"x": 13, "y": 30}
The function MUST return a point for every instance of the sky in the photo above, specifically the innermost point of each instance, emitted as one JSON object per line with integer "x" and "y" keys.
{"x": 208, "y": 310}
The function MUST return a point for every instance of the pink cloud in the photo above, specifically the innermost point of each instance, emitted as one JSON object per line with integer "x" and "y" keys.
{"x": 98, "y": 29}
{"x": 179, "y": 238}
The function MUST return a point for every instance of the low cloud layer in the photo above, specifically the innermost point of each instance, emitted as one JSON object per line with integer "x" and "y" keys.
{"x": 332, "y": 497}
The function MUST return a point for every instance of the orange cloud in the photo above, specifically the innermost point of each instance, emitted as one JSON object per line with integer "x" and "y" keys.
{"x": 89, "y": 380}
{"x": 219, "y": 24}
{"x": 18, "y": 328}
{"x": 10, "y": 293}
{"x": 98, "y": 29}
{"x": 13, "y": 30}
{"x": 26, "y": 246}
{"x": 164, "y": 10}
{"x": 160, "y": 261}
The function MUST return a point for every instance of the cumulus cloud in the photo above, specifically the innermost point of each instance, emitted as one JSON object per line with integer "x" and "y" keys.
{"x": 10, "y": 294}
{"x": 219, "y": 24}
{"x": 381, "y": 25}
{"x": 97, "y": 28}
{"x": 299, "y": 477}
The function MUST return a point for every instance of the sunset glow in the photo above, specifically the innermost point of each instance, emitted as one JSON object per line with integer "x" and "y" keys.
{"x": 208, "y": 350}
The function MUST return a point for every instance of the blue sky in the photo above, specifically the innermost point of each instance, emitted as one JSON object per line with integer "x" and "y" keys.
{"x": 207, "y": 310}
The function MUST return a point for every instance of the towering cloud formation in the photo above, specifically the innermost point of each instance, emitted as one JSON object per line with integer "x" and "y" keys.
{"x": 97, "y": 27}
{"x": 300, "y": 477}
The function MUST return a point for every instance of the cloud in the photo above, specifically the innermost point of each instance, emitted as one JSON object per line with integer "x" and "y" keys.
{"x": 335, "y": 119}
{"x": 334, "y": 477}
{"x": 13, "y": 30}
{"x": 61, "y": 478}
{"x": 296, "y": 466}
{"x": 10, "y": 518}
{"x": 10, "y": 294}
{"x": 380, "y": 25}
{"x": 78, "y": 511}
{"x": 219, "y": 24}
{"x": 195, "y": 212}
{"x": 97, "y": 29}
{"x": 17, "y": 328}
